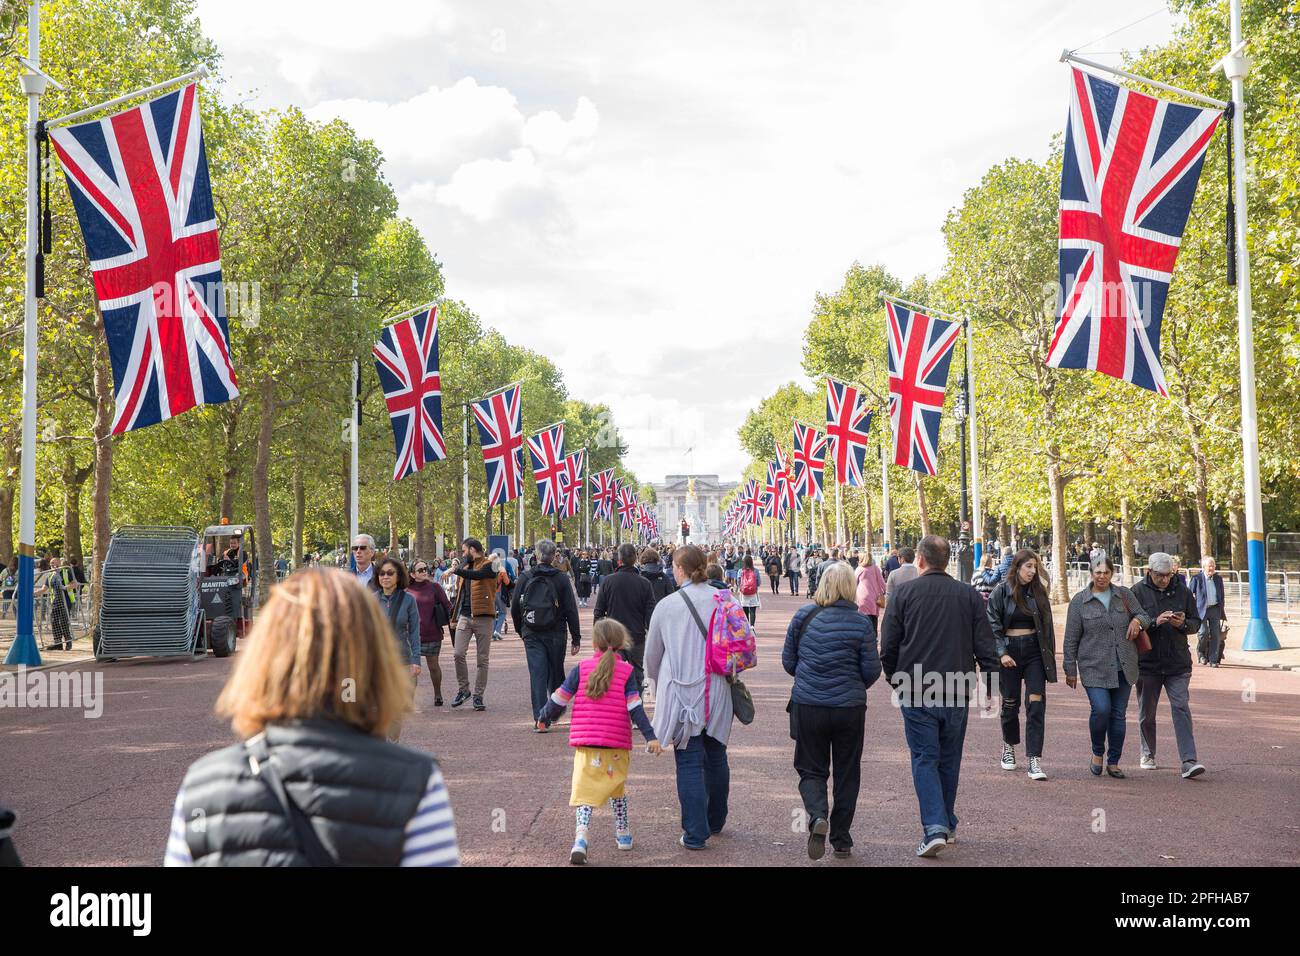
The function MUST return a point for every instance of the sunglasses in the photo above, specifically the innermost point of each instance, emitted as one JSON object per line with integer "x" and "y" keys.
{"x": 389, "y": 573}
{"x": 361, "y": 547}
{"x": 419, "y": 570}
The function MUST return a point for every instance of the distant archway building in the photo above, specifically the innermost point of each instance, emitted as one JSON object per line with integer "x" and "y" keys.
{"x": 704, "y": 511}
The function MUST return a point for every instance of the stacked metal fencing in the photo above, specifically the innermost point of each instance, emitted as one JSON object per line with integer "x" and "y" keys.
{"x": 150, "y": 593}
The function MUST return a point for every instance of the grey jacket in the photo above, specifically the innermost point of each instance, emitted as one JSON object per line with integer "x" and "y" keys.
{"x": 1096, "y": 642}
{"x": 404, "y": 615}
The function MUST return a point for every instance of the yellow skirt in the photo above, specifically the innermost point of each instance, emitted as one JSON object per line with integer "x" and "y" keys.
{"x": 599, "y": 773}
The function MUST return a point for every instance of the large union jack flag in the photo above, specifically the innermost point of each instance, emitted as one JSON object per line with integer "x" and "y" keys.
{"x": 550, "y": 471}
{"x": 772, "y": 492}
{"x": 751, "y": 503}
{"x": 785, "y": 490}
{"x": 1128, "y": 178}
{"x": 625, "y": 501}
{"x": 406, "y": 358}
{"x": 571, "y": 483}
{"x": 809, "y": 461}
{"x": 500, "y": 435}
{"x": 920, "y": 351}
{"x": 139, "y": 183}
{"x": 848, "y": 426}
{"x": 602, "y": 494}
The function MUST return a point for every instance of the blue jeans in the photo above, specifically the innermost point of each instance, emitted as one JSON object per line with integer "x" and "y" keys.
{"x": 1109, "y": 707}
{"x": 935, "y": 735}
{"x": 703, "y": 784}
{"x": 501, "y": 615}
{"x": 545, "y": 656}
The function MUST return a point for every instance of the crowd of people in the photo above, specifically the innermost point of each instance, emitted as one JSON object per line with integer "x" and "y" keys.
{"x": 311, "y": 758}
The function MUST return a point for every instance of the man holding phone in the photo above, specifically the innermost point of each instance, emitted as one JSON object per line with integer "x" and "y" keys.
{"x": 1168, "y": 601}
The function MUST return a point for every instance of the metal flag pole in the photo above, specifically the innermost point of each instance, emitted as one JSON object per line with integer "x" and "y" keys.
{"x": 1068, "y": 57}
{"x": 464, "y": 474}
{"x": 839, "y": 512}
{"x": 866, "y": 518}
{"x": 977, "y": 515}
{"x": 1259, "y": 635}
{"x": 586, "y": 496}
{"x": 23, "y": 651}
{"x": 67, "y": 118}
{"x": 354, "y": 504}
{"x": 886, "y": 514}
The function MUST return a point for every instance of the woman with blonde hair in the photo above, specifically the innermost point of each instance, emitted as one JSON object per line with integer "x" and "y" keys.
{"x": 601, "y": 732}
{"x": 315, "y": 690}
{"x": 830, "y": 650}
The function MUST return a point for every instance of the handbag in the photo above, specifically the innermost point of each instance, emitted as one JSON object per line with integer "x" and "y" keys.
{"x": 1143, "y": 640}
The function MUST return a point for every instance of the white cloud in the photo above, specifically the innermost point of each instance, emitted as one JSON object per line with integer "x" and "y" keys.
{"x": 654, "y": 200}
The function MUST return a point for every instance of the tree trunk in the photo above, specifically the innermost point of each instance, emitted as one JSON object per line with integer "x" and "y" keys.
{"x": 230, "y": 474}
{"x": 921, "y": 506}
{"x": 1237, "y": 537}
{"x": 12, "y": 459}
{"x": 73, "y": 478}
{"x": 1089, "y": 532}
{"x": 1056, "y": 488}
{"x": 867, "y": 526}
{"x": 1004, "y": 531}
{"x": 299, "y": 516}
{"x": 103, "y": 432}
{"x": 261, "y": 491}
{"x": 1126, "y": 536}
{"x": 392, "y": 525}
{"x": 1201, "y": 469}
{"x": 1187, "y": 533}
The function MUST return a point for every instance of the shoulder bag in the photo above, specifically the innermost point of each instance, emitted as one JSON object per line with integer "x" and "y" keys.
{"x": 263, "y": 767}
{"x": 1143, "y": 640}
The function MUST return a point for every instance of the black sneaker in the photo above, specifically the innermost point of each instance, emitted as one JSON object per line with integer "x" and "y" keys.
{"x": 437, "y": 702}
{"x": 478, "y": 704}
{"x": 843, "y": 854}
{"x": 460, "y": 698}
{"x": 817, "y": 839}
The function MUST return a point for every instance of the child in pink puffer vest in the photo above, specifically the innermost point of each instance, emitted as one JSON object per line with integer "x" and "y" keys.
{"x": 606, "y": 701}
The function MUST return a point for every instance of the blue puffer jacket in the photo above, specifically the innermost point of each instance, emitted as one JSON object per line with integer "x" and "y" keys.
{"x": 835, "y": 660}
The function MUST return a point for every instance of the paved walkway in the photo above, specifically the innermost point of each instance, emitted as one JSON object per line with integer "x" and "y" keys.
{"x": 99, "y": 792}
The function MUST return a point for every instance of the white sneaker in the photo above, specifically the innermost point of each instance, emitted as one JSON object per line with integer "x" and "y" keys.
{"x": 1147, "y": 763}
{"x": 1008, "y": 757}
{"x": 1036, "y": 769}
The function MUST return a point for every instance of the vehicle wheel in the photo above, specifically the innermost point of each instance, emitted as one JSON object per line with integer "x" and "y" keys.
{"x": 222, "y": 639}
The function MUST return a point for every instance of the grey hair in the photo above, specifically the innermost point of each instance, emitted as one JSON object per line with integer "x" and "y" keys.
{"x": 1161, "y": 563}
{"x": 1102, "y": 561}
{"x": 1207, "y": 557}
{"x": 545, "y": 550}
{"x": 369, "y": 540}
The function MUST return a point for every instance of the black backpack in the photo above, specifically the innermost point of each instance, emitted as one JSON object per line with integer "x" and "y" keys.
{"x": 540, "y": 603}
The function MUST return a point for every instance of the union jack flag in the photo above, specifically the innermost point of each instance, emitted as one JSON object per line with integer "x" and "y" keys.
{"x": 1128, "y": 178}
{"x": 546, "y": 451}
{"x": 139, "y": 183}
{"x": 771, "y": 492}
{"x": 848, "y": 424}
{"x": 785, "y": 486}
{"x": 602, "y": 494}
{"x": 920, "y": 351}
{"x": 751, "y": 503}
{"x": 406, "y": 357}
{"x": 571, "y": 483}
{"x": 626, "y": 502}
{"x": 500, "y": 435}
{"x": 809, "y": 461}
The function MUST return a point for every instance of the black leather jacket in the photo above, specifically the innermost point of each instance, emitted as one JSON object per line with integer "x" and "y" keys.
{"x": 1000, "y": 607}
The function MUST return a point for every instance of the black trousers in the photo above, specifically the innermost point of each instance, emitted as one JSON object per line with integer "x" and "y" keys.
{"x": 1029, "y": 672}
{"x": 1210, "y": 644}
{"x": 634, "y": 654}
{"x": 826, "y": 736}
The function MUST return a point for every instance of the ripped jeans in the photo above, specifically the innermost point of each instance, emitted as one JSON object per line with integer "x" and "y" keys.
{"x": 1029, "y": 671}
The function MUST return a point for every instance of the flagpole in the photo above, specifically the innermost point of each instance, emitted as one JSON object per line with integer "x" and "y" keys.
{"x": 199, "y": 74}
{"x": 839, "y": 512}
{"x": 1068, "y": 57}
{"x": 1259, "y": 635}
{"x": 886, "y": 513}
{"x": 586, "y": 496}
{"x": 354, "y": 453}
{"x": 464, "y": 474}
{"x": 23, "y": 651}
{"x": 977, "y": 515}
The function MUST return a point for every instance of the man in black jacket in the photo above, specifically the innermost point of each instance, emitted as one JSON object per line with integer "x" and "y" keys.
{"x": 628, "y": 598}
{"x": 542, "y": 606}
{"x": 935, "y": 630}
{"x": 1168, "y": 664}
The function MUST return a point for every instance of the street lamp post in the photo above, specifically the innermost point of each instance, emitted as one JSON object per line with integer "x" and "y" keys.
{"x": 965, "y": 565}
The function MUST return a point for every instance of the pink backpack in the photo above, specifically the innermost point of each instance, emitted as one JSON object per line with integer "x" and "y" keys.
{"x": 748, "y": 582}
{"x": 728, "y": 640}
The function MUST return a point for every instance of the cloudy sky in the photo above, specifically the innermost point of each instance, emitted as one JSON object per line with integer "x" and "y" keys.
{"x": 653, "y": 195}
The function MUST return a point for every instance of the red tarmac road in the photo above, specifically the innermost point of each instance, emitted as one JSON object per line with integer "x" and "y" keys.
{"x": 99, "y": 791}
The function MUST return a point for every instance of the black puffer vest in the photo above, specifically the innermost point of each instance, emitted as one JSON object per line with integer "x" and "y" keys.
{"x": 358, "y": 791}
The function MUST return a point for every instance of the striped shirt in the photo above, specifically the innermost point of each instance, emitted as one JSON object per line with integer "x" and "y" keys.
{"x": 430, "y": 833}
